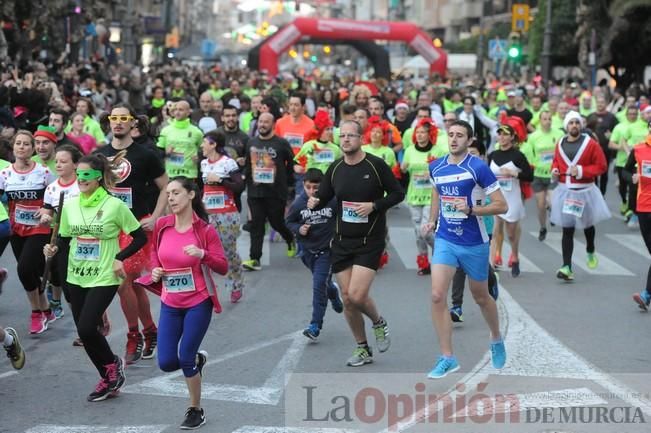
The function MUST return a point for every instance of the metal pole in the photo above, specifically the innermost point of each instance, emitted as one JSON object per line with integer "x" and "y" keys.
{"x": 547, "y": 45}
{"x": 481, "y": 42}
{"x": 592, "y": 58}
{"x": 127, "y": 34}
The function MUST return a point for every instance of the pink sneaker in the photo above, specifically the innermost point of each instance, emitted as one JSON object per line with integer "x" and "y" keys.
{"x": 50, "y": 317}
{"x": 236, "y": 295}
{"x": 38, "y": 323}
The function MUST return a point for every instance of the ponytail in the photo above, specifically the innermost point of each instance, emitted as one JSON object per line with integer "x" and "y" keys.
{"x": 108, "y": 167}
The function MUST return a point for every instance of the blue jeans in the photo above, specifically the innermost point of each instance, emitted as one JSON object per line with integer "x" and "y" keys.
{"x": 322, "y": 288}
{"x": 180, "y": 332}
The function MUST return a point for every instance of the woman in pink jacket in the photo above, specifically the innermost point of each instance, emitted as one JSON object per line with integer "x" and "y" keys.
{"x": 187, "y": 249}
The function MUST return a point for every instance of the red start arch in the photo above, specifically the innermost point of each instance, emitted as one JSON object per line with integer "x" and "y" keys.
{"x": 334, "y": 29}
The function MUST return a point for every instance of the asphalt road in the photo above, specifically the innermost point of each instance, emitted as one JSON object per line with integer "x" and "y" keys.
{"x": 575, "y": 350}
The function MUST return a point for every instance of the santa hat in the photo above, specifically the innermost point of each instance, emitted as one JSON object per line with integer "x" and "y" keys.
{"x": 433, "y": 130}
{"x": 46, "y": 132}
{"x": 402, "y": 104}
{"x": 571, "y": 115}
{"x": 322, "y": 121}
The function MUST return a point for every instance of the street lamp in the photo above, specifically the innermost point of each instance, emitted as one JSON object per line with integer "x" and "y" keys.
{"x": 547, "y": 45}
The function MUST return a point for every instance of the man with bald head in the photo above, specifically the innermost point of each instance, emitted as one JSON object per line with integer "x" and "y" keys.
{"x": 206, "y": 117}
{"x": 181, "y": 141}
{"x": 269, "y": 170}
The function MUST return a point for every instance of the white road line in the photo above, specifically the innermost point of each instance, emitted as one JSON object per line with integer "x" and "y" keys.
{"x": 572, "y": 397}
{"x": 50, "y": 428}
{"x": 606, "y": 266}
{"x": 7, "y": 374}
{"x": 526, "y": 265}
{"x": 244, "y": 243}
{"x": 633, "y": 242}
{"x": 261, "y": 429}
{"x": 403, "y": 240}
{"x": 533, "y": 352}
{"x": 269, "y": 393}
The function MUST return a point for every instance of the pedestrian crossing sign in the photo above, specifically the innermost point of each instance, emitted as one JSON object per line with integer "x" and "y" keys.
{"x": 497, "y": 49}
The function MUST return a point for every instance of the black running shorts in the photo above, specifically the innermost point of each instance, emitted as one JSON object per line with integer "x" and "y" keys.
{"x": 346, "y": 252}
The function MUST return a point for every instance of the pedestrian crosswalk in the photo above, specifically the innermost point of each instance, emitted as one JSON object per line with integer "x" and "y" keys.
{"x": 618, "y": 253}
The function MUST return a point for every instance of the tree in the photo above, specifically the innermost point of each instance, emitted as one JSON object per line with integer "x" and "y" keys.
{"x": 564, "y": 45}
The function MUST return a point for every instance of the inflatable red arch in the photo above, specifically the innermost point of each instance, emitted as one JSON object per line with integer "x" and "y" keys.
{"x": 337, "y": 29}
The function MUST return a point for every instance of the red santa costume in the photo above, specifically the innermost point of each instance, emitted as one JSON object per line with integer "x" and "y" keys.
{"x": 576, "y": 201}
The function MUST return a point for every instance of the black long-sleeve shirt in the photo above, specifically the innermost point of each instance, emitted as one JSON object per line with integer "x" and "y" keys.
{"x": 502, "y": 157}
{"x": 366, "y": 181}
{"x": 269, "y": 167}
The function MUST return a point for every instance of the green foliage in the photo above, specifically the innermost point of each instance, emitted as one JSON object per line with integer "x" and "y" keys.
{"x": 564, "y": 26}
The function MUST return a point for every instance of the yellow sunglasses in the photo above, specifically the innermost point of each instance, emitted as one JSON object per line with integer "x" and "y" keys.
{"x": 122, "y": 118}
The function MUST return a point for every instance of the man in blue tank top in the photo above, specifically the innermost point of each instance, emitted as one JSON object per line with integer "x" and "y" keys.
{"x": 461, "y": 183}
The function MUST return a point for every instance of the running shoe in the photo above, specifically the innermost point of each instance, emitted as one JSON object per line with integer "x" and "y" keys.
{"x": 77, "y": 342}
{"x": 236, "y": 295}
{"x": 251, "y": 265}
{"x": 51, "y": 317}
{"x": 494, "y": 290}
{"x": 593, "y": 261}
{"x": 423, "y": 264}
{"x": 202, "y": 359}
{"x": 498, "y": 354}
{"x": 634, "y": 222}
{"x": 542, "y": 234}
{"x": 565, "y": 273}
{"x": 194, "y": 418}
{"x": 151, "y": 341}
{"x": 38, "y": 323}
{"x": 292, "y": 249}
{"x": 361, "y": 356}
{"x": 623, "y": 208}
{"x": 134, "y": 347}
{"x": 382, "y": 339}
{"x": 3, "y": 277}
{"x": 456, "y": 314}
{"x": 515, "y": 269}
{"x": 101, "y": 391}
{"x": 497, "y": 261}
{"x": 643, "y": 300}
{"x": 15, "y": 352}
{"x": 57, "y": 309}
{"x": 335, "y": 299}
{"x": 443, "y": 367}
{"x": 115, "y": 375}
{"x": 312, "y": 332}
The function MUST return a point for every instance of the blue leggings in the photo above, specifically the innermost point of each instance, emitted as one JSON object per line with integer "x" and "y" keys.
{"x": 180, "y": 332}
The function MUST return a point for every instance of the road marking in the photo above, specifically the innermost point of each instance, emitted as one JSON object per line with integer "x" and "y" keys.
{"x": 403, "y": 240}
{"x": 244, "y": 245}
{"x": 526, "y": 265}
{"x": 606, "y": 266}
{"x": 50, "y": 428}
{"x": 573, "y": 397}
{"x": 261, "y": 429}
{"x": 269, "y": 393}
{"x": 7, "y": 374}
{"x": 630, "y": 241}
{"x": 533, "y": 352}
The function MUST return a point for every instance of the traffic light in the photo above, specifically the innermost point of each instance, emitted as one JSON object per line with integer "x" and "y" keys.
{"x": 515, "y": 48}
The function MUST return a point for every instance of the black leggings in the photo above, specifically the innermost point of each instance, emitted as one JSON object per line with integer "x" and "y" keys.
{"x": 623, "y": 184}
{"x": 645, "y": 228}
{"x": 88, "y": 306}
{"x": 459, "y": 281}
{"x": 263, "y": 209}
{"x": 568, "y": 243}
{"x": 30, "y": 260}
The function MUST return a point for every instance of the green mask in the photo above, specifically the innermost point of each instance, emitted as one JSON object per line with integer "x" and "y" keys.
{"x": 90, "y": 174}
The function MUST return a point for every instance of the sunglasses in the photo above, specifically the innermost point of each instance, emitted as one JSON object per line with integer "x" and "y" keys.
{"x": 121, "y": 118}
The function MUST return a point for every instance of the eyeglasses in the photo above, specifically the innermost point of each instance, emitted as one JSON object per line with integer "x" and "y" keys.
{"x": 349, "y": 135}
{"x": 121, "y": 118}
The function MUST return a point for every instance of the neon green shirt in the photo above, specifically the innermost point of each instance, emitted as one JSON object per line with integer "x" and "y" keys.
{"x": 91, "y": 126}
{"x": 620, "y": 133}
{"x": 319, "y": 155}
{"x": 384, "y": 152}
{"x": 184, "y": 139}
{"x": 4, "y": 164}
{"x": 449, "y": 105}
{"x": 245, "y": 121}
{"x": 217, "y": 93}
{"x": 419, "y": 191}
{"x": 51, "y": 164}
{"x": 94, "y": 244}
{"x": 539, "y": 150}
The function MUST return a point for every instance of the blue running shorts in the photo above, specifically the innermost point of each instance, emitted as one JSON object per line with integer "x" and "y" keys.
{"x": 472, "y": 259}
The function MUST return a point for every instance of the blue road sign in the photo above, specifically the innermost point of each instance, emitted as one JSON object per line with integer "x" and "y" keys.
{"x": 497, "y": 49}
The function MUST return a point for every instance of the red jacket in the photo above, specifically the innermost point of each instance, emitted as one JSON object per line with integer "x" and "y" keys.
{"x": 642, "y": 155}
{"x": 213, "y": 260}
{"x": 589, "y": 160}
